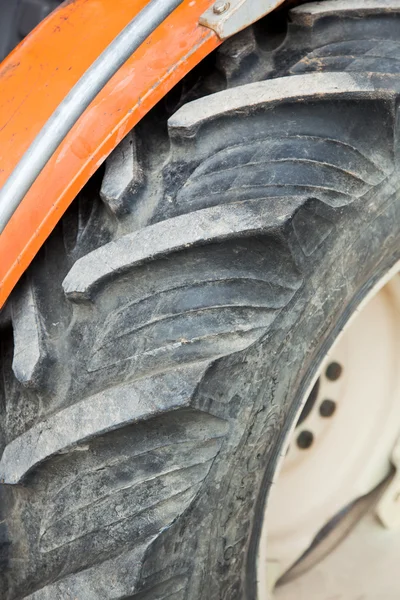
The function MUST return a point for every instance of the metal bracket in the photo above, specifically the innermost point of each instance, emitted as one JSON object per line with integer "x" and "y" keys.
{"x": 227, "y": 17}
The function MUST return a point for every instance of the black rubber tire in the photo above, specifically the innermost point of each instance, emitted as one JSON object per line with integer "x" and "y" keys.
{"x": 164, "y": 336}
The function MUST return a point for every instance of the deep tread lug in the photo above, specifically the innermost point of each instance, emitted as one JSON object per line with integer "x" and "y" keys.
{"x": 29, "y": 351}
{"x": 192, "y": 280}
{"x": 123, "y": 177}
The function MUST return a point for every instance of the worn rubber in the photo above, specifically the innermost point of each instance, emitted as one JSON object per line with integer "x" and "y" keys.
{"x": 162, "y": 339}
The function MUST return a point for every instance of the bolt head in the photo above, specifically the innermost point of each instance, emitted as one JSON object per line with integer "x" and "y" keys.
{"x": 220, "y": 7}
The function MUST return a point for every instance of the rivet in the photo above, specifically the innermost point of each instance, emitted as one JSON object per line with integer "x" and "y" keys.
{"x": 220, "y": 7}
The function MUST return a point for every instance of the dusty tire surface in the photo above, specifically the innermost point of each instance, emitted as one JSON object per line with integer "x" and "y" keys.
{"x": 157, "y": 349}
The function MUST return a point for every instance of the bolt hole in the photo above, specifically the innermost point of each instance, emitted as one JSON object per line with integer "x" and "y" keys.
{"x": 327, "y": 408}
{"x": 305, "y": 439}
{"x": 333, "y": 371}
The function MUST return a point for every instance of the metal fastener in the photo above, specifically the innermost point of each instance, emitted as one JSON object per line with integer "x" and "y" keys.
{"x": 220, "y": 7}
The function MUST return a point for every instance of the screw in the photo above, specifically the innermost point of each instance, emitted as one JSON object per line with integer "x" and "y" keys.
{"x": 327, "y": 408}
{"x": 220, "y": 7}
{"x": 305, "y": 439}
{"x": 334, "y": 371}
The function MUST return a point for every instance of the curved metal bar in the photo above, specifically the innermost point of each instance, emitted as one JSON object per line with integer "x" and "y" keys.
{"x": 76, "y": 102}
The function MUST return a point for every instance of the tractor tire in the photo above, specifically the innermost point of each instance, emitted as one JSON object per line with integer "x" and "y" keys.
{"x": 157, "y": 349}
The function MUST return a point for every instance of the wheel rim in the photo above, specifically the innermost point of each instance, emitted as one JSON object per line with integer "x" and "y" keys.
{"x": 326, "y": 468}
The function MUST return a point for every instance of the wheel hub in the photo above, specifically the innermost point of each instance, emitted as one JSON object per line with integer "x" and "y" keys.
{"x": 339, "y": 452}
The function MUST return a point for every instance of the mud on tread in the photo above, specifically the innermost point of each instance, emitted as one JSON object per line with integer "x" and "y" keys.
{"x": 194, "y": 266}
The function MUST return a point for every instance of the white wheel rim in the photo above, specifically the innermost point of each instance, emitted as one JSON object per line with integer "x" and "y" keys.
{"x": 338, "y": 467}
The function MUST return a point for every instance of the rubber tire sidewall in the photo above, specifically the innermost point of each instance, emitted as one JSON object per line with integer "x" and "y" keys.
{"x": 273, "y": 375}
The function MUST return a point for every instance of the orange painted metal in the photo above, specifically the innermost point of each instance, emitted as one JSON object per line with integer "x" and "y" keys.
{"x": 39, "y": 73}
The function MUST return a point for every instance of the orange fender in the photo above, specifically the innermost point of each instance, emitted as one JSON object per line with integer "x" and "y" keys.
{"x": 41, "y": 71}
